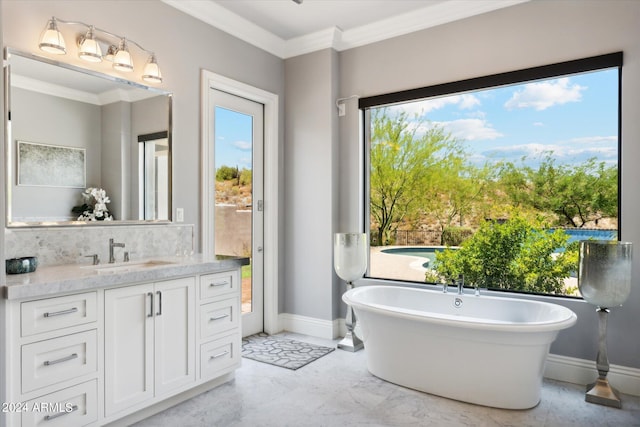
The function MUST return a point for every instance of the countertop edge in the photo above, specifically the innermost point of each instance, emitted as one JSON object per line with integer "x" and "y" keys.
{"x": 49, "y": 281}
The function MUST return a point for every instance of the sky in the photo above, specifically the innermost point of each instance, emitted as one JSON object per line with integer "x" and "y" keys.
{"x": 575, "y": 116}
{"x": 233, "y": 139}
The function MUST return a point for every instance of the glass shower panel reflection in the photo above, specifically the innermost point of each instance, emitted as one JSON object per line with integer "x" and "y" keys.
{"x": 233, "y": 191}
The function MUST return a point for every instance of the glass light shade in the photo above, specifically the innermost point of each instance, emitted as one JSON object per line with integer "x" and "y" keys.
{"x": 51, "y": 39}
{"x": 151, "y": 71}
{"x": 350, "y": 255}
{"x": 89, "y": 48}
{"x": 122, "y": 60}
{"x": 604, "y": 274}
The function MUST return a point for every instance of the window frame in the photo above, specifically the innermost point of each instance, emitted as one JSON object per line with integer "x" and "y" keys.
{"x": 521, "y": 76}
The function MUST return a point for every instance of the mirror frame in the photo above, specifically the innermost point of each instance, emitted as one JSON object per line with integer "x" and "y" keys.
{"x": 9, "y": 169}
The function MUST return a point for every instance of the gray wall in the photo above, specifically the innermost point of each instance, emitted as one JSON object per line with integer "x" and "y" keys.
{"x": 311, "y": 165}
{"x": 115, "y": 159}
{"x": 66, "y": 123}
{"x": 527, "y": 35}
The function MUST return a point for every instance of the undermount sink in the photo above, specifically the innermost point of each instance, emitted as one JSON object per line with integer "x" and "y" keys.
{"x": 124, "y": 267}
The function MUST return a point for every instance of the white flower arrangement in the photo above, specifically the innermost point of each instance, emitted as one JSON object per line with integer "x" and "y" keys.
{"x": 94, "y": 207}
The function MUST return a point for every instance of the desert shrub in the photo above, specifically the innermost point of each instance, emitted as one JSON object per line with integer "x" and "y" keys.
{"x": 225, "y": 173}
{"x": 454, "y": 236}
{"x": 516, "y": 255}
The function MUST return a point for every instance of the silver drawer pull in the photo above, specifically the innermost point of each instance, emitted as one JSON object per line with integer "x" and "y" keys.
{"x": 213, "y": 284}
{"x": 59, "y": 414}
{"x": 58, "y": 313}
{"x": 64, "y": 359}
{"x": 215, "y": 356}
{"x": 222, "y": 316}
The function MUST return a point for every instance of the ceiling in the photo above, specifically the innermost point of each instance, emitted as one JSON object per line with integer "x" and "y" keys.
{"x": 286, "y": 28}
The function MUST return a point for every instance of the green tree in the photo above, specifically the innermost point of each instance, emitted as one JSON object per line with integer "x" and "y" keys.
{"x": 518, "y": 254}
{"x": 406, "y": 159}
{"x": 457, "y": 191}
{"x": 575, "y": 194}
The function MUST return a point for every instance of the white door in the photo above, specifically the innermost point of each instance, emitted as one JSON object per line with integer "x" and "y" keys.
{"x": 238, "y": 144}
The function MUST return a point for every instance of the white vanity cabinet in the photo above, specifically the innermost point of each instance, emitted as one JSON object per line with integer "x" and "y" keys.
{"x": 149, "y": 341}
{"x": 127, "y": 347}
{"x": 54, "y": 352}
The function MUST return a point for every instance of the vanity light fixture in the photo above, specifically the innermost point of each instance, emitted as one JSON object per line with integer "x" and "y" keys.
{"x": 122, "y": 60}
{"x": 89, "y": 48}
{"x": 51, "y": 39}
{"x": 151, "y": 71}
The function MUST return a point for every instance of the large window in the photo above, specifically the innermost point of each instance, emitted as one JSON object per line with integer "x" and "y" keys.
{"x": 497, "y": 178}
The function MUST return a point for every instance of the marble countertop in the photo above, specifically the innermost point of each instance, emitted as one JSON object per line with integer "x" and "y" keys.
{"x": 51, "y": 280}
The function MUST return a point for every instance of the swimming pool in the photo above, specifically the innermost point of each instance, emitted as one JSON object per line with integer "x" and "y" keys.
{"x": 577, "y": 234}
{"x": 428, "y": 252}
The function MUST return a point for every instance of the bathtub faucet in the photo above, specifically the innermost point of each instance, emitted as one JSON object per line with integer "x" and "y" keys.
{"x": 460, "y": 284}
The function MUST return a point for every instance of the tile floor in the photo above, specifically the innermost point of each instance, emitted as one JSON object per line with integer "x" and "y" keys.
{"x": 337, "y": 390}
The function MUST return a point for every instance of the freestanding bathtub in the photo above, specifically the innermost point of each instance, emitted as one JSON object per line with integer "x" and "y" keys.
{"x": 479, "y": 349}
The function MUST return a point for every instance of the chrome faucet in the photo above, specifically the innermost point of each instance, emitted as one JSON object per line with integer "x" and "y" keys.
{"x": 112, "y": 245}
{"x": 460, "y": 284}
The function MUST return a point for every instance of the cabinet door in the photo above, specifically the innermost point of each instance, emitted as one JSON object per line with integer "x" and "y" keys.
{"x": 174, "y": 334}
{"x": 128, "y": 346}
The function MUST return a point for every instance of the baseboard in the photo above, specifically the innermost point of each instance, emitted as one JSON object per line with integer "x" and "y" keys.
{"x": 580, "y": 371}
{"x": 328, "y": 329}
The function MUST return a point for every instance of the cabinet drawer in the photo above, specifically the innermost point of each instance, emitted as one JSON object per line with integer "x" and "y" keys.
{"x": 73, "y": 406}
{"x": 56, "y": 313}
{"x": 58, "y": 359}
{"x": 219, "y": 356}
{"x": 219, "y": 316}
{"x": 213, "y": 285}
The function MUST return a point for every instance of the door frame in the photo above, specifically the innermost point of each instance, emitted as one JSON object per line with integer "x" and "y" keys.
{"x": 210, "y": 80}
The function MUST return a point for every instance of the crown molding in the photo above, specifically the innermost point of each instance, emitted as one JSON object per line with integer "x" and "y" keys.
{"x": 235, "y": 25}
{"x": 431, "y": 16}
{"x": 324, "y": 39}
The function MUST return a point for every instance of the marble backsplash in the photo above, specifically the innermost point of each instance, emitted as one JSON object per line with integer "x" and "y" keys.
{"x": 71, "y": 245}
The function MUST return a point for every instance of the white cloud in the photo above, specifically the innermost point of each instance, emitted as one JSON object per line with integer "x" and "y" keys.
{"x": 463, "y": 102}
{"x": 471, "y": 129}
{"x": 545, "y": 94}
{"x": 532, "y": 149}
{"x": 538, "y": 124}
{"x": 595, "y": 140}
{"x": 242, "y": 145}
{"x": 564, "y": 151}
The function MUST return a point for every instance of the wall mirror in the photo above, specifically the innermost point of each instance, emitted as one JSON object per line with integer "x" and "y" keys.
{"x": 70, "y": 130}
